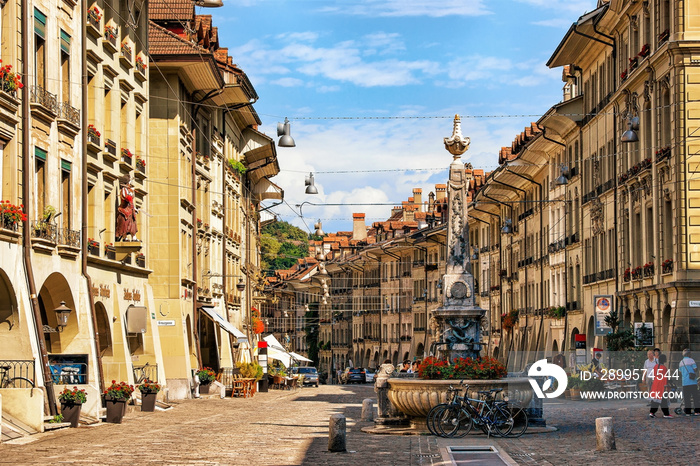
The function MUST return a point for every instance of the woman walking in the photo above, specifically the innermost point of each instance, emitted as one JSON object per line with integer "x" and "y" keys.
{"x": 658, "y": 388}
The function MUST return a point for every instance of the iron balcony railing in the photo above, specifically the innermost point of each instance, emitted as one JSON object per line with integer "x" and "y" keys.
{"x": 17, "y": 373}
{"x": 41, "y": 96}
{"x": 70, "y": 113}
{"x": 145, "y": 372}
{"x": 111, "y": 147}
{"x": 69, "y": 237}
{"x": 45, "y": 230}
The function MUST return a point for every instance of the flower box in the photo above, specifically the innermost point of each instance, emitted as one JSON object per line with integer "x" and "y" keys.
{"x": 667, "y": 266}
{"x": 110, "y": 38}
{"x": 663, "y": 37}
{"x": 94, "y": 16}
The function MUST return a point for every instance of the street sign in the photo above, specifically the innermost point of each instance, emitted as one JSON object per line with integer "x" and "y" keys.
{"x": 694, "y": 303}
{"x": 166, "y": 323}
{"x": 603, "y": 306}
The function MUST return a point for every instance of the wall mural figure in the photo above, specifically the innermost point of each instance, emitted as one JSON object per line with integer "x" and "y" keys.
{"x": 126, "y": 212}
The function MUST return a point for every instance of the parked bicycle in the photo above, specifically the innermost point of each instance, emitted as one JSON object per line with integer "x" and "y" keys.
{"x": 13, "y": 382}
{"x": 495, "y": 417}
{"x": 140, "y": 374}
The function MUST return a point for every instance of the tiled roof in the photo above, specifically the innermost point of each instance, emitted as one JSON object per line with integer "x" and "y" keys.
{"x": 163, "y": 42}
{"x": 170, "y": 10}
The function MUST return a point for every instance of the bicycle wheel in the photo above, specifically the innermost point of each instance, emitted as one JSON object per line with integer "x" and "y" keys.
{"x": 19, "y": 382}
{"x": 464, "y": 424}
{"x": 518, "y": 422}
{"x": 454, "y": 421}
{"x": 431, "y": 417}
{"x": 497, "y": 421}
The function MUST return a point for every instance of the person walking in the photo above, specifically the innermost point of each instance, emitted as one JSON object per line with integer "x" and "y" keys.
{"x": 648, "y": 374}
{"x": 658, "y": 388}
{"x": 689, "y": 369}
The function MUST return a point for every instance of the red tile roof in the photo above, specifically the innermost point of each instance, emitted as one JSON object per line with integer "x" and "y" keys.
{"x": 170, "y": 10}
{"x": 163, "y": 42}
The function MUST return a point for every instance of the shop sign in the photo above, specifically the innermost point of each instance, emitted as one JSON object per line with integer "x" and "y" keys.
{"x": 166, "y": 323}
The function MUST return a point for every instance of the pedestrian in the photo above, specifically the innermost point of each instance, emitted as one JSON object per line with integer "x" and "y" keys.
{"x": 689, "y": 369}
{"x": 406, "y": 366}
{"x": 648, "y": 374}
{"x": 595, "y": 365}
{"x": 414, "y": 367}
{"x": 657, "y": 352}
{"x": 658, "y": 389}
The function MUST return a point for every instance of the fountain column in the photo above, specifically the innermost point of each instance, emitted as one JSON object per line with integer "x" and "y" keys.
{"x": 456, "y": 323}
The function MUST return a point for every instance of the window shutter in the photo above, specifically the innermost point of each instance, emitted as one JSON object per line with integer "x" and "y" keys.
{"x": 40, "y": 153}
{"x": 65, "y": 42}
{"x": 40, "y": 23}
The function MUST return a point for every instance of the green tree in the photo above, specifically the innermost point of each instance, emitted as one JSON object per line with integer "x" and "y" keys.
{"x": 281, "y": 245}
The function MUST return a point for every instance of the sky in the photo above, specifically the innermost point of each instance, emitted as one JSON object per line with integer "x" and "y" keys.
{"x": 371, "y": 88}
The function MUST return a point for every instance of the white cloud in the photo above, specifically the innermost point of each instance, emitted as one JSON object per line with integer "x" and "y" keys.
{"x": 307, "y": 36}
{"x": 496, "y": 71}
{"x": 326, "y": 89}
{"x": 560, "y": 23}
{"x": 360, "y": 146}
{"x": 288, "y": 82}
{"x": 577, "y": 7}
{"x": 398, "y": 8}
{"x": 342, "y": 62}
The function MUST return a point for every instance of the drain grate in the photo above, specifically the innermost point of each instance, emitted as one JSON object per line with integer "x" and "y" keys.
{"x": 428, "y": 455}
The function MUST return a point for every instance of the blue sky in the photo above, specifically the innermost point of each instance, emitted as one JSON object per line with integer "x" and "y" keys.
{"x": 374, "y": 84}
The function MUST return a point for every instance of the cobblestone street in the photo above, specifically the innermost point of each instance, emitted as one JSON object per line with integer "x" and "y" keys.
{"x": 290, "y": 428}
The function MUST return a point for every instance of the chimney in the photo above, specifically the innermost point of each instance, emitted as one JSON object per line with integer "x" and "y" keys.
{"x": 359, "y": 230}
{"x": 418, "y": 199}
{"x": 440, "y": 192}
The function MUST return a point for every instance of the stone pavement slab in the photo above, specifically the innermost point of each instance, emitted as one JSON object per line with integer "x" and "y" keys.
{"x": 291, "y": 428}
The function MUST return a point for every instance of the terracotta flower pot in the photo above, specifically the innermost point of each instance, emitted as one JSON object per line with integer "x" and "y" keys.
{"x": 115, "y": 410}
{"x": 71, "y": 413}
{"x": 204, "y": 389}
{"x": 148, "y": 401}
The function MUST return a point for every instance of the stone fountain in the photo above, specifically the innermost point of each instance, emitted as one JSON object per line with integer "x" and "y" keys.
{"x": 456, "y": 324}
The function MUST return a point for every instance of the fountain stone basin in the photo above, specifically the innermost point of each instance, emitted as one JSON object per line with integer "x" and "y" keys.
{"x": 416, "y": 397}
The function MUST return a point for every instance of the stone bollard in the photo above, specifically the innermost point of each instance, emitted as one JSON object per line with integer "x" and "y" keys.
{"x": 604, "y": 434}
{"x": 368, "y": 409}
{"x": 336, "y": 433}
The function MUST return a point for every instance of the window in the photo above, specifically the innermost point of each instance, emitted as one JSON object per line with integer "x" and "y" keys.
{"x": 39, "y": 48}
{"x": 65, "y": 67}
{"x": 40, "y": 176}
{"x": 65, "y": 194}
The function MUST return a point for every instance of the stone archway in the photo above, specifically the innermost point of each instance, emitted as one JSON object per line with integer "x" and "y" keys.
{"x": 572, "y": 343}
{"x": 104, "y": 327}
{"x": 555, "y": 348}
{"x": 55, "y": 290}
{"x": 15, "y": 338}
{"x": 420, "y": 350}
{"x": 665, "y": 328}
{"x": 495, "y": 352}
{"x": 395, "y": 358}
{"x": 376, "y": 359}
{"x": 590, "y": 334}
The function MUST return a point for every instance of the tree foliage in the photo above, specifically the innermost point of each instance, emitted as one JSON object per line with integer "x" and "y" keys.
{"x": 281, "y": 245}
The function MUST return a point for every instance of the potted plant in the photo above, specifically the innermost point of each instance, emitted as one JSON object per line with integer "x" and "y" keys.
{"x": 206, "y": 377}
{"x": 9, "y": 80}
{"x": 116, "y": 396}
{"x": 574, "y": 384}
{"x": 149, "y": 391}
{"x": 71, "y": 403}
{"x": 11, "y": 215}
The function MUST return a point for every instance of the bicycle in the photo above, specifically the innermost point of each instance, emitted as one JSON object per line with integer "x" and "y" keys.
{"x": 432, "y": 416}
{"x": 498, "y": 418}
{"x": 14, "y": 382}
{"x": 141, "y": 372}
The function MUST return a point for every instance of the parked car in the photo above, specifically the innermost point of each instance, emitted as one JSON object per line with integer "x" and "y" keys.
{"x": 369, "y": 376}
{"x": 310, "y": 375}
{"x": 353, "y": 375}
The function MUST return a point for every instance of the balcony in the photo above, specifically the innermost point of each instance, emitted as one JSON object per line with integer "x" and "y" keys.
{"x": 69, "y": 242}
{"x": 68, "y": 119}
{"x": 44, "y": 104}
{"x": 140, "y": 69}
{"x": 110, "y": 38}
{"x": 44, "y": 235}
{"x": 141, "y": 260}
{"x": 93, "y": 248}
{"x": 126, "y": 56}
{"x": 8, "y": 112}
{"x": 94, "y": 16}
{"x": 110, "y": 153}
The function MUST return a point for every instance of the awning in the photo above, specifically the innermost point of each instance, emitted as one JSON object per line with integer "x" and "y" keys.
{"x": 224, "y": 324}
{"x": 299, "y": 357}
{"x": 275, "y": 350}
